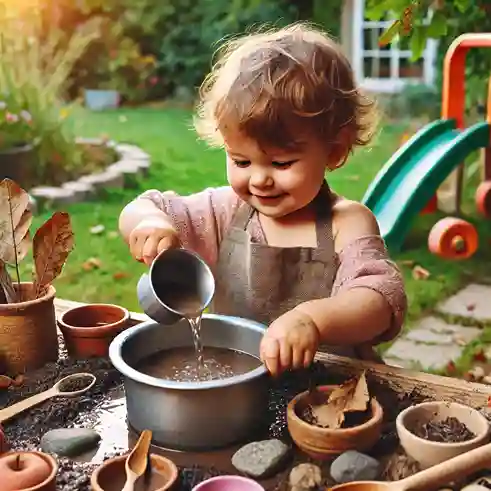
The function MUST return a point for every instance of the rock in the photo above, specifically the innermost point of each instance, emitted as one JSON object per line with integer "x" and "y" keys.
{"x": 69, "y": 442}
{"x": 104, "y": 180}
{"x": 260, "y": 459}
{"x": 53, "y": 196}
{"x": 354, "y": 466}
{"x": 487, "y": 379}
{"x": 305, "y": 476}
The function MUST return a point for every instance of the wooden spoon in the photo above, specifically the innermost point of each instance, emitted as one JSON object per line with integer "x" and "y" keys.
{"x": 56, "y": 391}
{"x": 137, "y": 460}
{"x": 438, "y": 475}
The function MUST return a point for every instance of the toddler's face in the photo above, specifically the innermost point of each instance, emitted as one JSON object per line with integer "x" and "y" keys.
{"x": 276, "y": 182}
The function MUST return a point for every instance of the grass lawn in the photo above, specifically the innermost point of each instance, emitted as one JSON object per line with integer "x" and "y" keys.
{"x": 181, "y": 163}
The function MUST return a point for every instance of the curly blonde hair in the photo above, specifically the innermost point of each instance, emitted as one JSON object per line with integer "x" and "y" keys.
{"x": 278, "y": 84}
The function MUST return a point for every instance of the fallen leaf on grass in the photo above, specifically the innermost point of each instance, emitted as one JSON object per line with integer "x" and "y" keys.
{"x": 92, "y": 263}
{"x": 351, "y": 396}
{"x": 480, "y": 356}
{"x": 112, "y": 234}
{"x": 120, "y": 275}
{"x": 97, "y": 229}
{"x": 420, "y": 273}
{"x": 353, "y": 178}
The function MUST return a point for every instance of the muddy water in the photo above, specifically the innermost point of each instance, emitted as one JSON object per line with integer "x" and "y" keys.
{"x": 180, "y": 364}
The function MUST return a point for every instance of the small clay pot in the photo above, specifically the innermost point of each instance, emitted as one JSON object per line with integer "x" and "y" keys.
{"x": 21, "y": 480}
{"x": 429, "y": 453}
{"x": 111, "y": 475}
{"x": 226, "y": 483}
{"x": 324, "y": 443}
{"x": 89, "y": 329}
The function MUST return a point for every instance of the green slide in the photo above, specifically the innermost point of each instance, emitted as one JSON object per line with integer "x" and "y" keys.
{"x": 406, "y": 183}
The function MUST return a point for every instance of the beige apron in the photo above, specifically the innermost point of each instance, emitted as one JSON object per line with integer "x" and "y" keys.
{"x": 261, "y": 282}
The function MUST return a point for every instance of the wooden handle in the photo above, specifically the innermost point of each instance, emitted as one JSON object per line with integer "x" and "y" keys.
{"x": 20, "y": 406}
{"x": 131, "y": 478}
{"x": 440, "y": 474}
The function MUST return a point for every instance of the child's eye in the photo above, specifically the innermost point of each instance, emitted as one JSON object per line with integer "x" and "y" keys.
{"x": 284, "y": 164}
{"x": 242, "y": 163}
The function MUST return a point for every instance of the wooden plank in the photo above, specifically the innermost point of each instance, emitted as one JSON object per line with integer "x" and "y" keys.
{"x": 399, "y": 379}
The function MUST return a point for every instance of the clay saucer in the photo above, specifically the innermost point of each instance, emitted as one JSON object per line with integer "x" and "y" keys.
{"x": 324, "y": 443}
{"x": 429, "y": 453}
{"x": 111, "y": 475}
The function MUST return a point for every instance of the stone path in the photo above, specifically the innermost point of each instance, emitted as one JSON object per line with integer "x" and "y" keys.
{"x": 435, "y": 340}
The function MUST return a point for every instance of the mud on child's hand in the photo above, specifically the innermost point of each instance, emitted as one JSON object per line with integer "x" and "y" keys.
{"x": 291, "y": 341}
{"x": 150, "y": 237}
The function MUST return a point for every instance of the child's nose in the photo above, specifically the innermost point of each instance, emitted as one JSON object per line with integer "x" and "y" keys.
{"x": 260, "y": 178}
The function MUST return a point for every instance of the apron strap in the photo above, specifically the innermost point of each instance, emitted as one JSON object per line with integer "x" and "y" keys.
{"x": 323, "y": 220}
{"x": 242, "y": 216}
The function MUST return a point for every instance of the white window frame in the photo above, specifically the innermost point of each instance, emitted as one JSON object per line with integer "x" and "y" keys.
{"x": 394, "y": 83}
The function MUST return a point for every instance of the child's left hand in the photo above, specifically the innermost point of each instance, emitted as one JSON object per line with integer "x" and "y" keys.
{"x": 291, "y": 341}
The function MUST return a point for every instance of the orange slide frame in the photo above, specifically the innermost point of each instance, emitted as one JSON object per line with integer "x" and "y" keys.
{"x": 453, "y": 95}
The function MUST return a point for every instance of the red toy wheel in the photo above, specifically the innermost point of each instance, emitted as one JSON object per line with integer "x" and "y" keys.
{"x": 453, "y": 238}
{"x": 483, "y": 199}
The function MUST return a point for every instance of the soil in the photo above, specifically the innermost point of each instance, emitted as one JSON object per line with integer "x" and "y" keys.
{"x": 449, "y": 430}
{"x": 25, "y": 431}
{"x": 76, "y": 383}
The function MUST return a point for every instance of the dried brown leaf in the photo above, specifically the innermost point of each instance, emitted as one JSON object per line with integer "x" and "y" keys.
{"x": 6, "y": 284}
{"x": 420, "y": 273}
{"x": 52, "y": 244}
{"x": 14, "y": 203}
{"x": 353, "y": 395}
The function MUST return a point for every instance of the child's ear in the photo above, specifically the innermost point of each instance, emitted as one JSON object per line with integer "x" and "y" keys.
{"x": 340, "y": 150}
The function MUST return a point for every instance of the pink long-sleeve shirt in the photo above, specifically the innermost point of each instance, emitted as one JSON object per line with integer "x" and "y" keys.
{"x": 203, "y": 219}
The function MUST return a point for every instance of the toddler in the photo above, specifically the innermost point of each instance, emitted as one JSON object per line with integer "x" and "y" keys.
{"x": 285, "y": 249}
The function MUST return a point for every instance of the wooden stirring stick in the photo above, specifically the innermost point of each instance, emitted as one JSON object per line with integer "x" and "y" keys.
{"x": 137, "y": 460}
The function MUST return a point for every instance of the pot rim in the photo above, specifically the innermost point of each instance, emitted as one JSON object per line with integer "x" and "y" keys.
{"x": 92, "y": 331}
{"x": 231, "y": 478}
{"x": 401, "y": 425}
{"x": 94, "y": 477}
{"x": 47, "y": 458}
{"x": 179, "y": 251}
{"x": 116, "y": 347}
{"x": 377, "y": 415}
{"x": 5, "y": 307}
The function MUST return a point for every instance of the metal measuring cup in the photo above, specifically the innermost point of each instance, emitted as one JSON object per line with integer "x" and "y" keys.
{"x": 175, "y": 274}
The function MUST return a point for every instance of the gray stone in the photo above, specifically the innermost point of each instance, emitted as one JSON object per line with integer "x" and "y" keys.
{"x": 131, "y": 152}
{"x": 429, "y": 337}
{"x": 474, "y": 302}
{"x": 104, "y": 180}
{"x": 52, "y": 195}
{"x": 69, "y": 442}
{"x": 33, "y": 205}
{"x": 354, "y": 466}
{"x": 427, "y": 356}
{"x": 439, "y": 326}
{"x": 260, "y": 459}
{"x": 81, "y": 190}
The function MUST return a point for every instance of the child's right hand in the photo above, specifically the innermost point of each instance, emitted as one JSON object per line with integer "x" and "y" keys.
{"x": 150, "y": 237}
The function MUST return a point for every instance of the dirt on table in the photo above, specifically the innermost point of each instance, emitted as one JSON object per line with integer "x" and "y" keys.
{"x": 25, "y": 431}
{"x": 448, "y": 430}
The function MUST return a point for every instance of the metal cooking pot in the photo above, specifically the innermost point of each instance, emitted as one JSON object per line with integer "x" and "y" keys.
{"x": 192, "y": 415}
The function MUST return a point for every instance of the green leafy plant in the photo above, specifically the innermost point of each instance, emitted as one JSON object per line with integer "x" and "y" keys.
{"x": 16, "y": 125}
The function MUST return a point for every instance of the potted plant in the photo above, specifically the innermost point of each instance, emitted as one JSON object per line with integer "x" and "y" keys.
{"x": 28, "y": 334}
{"x": 17, "y": 154}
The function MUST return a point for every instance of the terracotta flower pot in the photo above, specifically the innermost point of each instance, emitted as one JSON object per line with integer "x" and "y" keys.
{"x": 324, "y": 443}
{"x": 89, "y": 329}
{"x": 111, "y": 475}
{"x": 28, "y": 336}
{"x": 429, "y": 453}
{"x": 28, "y": 471}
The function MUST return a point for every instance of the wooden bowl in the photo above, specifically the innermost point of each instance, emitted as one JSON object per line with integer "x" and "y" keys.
{"x": 324, "y": 443}
{"x": 111, "y": 475}
{"x": 429, "y": 453}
